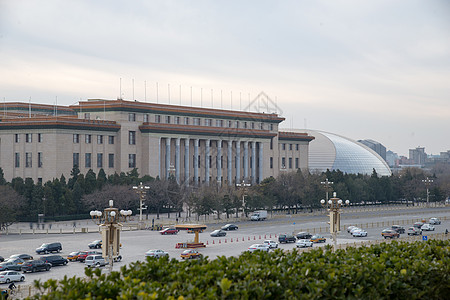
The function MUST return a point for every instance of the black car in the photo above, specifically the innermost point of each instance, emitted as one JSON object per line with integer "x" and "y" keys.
{"x": 2, "y": 259}
{"x": 230, "y": 227}
{"x": 50, "y": 247}
{"x": 35, "y": 265}
{"x": 286, "y": 238}
{"x": 217, "y": 233}
{"x": 55, "y": 260}
{"x": 22, "y": 256}
{"x": 97, "y": 244}
{"x": 398, "y": 228}
{"x": 303, "y": 235}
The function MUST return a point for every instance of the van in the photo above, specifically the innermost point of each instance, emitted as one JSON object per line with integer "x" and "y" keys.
{"x": 49, "y": 247}
{"x": 95, "y": 261}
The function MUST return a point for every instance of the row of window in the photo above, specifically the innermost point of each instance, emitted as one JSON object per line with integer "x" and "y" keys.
{"x": 283, "y": 163}
{"x": 283, "y": 146}
{"x": 28, "y": 160}
{"x": 88, "y": 160}
{"x": 28, "y": 137}
{"x": 88, "y": 139}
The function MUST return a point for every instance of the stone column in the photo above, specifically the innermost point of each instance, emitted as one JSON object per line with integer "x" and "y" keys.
{"x": 245, "y": 161}
{"x": 219, "y": 161}
{"x": 186, "y": 162}
{"x": 208, "y": 143}
{"x": 159, "y": 157}
{"x": 196, "y": 161}
{"x": 230, "y": 162}
{"x": 177, "y": 160}
{"x": 238, "y": 161}
{"x": 167, "y": 157}
{"x": 261, "y": 161}
{"x": 253, "y": 163}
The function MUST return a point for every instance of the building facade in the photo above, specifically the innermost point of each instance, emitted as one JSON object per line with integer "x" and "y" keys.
{"x": 196, "y": 145}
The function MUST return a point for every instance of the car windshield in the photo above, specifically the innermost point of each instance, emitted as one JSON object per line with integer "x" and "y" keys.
{"x": 44, "y": 245}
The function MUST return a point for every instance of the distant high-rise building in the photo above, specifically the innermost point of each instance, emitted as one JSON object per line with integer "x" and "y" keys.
{"x": 418, "y": 156}
{"x": 375, "y": 146}
{"x": 392, "y": 158}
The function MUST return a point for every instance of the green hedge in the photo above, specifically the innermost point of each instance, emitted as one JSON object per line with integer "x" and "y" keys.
{"x": 397, "y": 270}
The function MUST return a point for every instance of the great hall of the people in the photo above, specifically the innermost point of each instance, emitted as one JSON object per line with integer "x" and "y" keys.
{"x": 196, "y": 145}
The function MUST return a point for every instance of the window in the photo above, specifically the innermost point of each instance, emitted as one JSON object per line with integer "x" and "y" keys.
{"x": 186, "y": 121}
{"x": 290, "y": 146}
{"x": 208, "y": 122}
{"x": 283, "y": 162}
{"x": 132, "y": 117}
{"x": 39, "y": 137}
{"x": 219, "y": 123}
{"x": 76, "y": 138}
{"x": 177, "y": 120}
{"x": 296, "y": 147}
{"x": 199, "y": 161}
{"x": 111, "y": 139}
{"x": 271, "y": 144}
{"x": 271, "y": 127}
{"x": 40, "y": 160}
{"x": 167, "y": 119}
{"x": 261, "y": 126}
{"x": 245, "y": 124}
{"x": 99, "y": 139}
{"x": 253, "y": 125}
{"x": 111, "y": 160}
{"x": 237, "y": 124}
{"x": 17, "y": 138}
{"x": 210, "y": 160}
{"x": 271, "y": 162}
{"x": 76, "y": 159}
{"x": 17, "y": 160}
{"x": 28, "y": 162}
{"x": 132, "y": 137}
{"x": 157, "y": 119}
{"x": 296, "y": 162}
{"x": 197, "y": 121}
{"x": 290, "y": 162}
{"x": 283, "y": 146}
{"x": 28, "y": 138}
{"x": 131, "y": 160}
{"x": 99, "y": 160}
{"x": 87, "y": 116}
{"x": 146, "y": 117}
{"x": 88, "y": 138}
{"x": 88, "y": 160}
{"x": 230, "y": 124}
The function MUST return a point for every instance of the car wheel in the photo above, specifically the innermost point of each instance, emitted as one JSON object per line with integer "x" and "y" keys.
{"x": 119, "y": 258}
{"x": 7, "y": 280}
{"x": 385, "y": 237}
{"x": 65, "y": 263}
{"x": 97, "y": 265}
{"x": 45, "y": 252}
{"x": 33, "y": 270}
{"x": 22, "y": 278}
{"x": 47, "y": 269}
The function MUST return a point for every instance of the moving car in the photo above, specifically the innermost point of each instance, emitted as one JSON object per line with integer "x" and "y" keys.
{"x": 354, "y": 229}
{"x": 286, "y": 238}
{"x": 10, "y": 276}
{"x": 398, "y": 228}
{"x": 10, "y": 265}
{"x": 156, "y": 253}
{"x": 418, "y": 225}
{"x": 193, "y": 231}
{"x": 427, "y": 227}
{"x": 359, "y": 233}
{"x": 304, "y": 243}
{"x": 414, "y": 231}
{"x": 259, "y": 247}
{"x": 190, "y": 253}
{"x": 55, "y": 260}
{"x": 83, "y": 254}
{"x": 49, "y": 247}
{"x": 97, "y": 244}
{"x": 2, "y": 259}
{"x": 230, "y": 227}
{"x": 95, "y": 261}
{"x": 389, "y": 233}
{"x": 36, "y": 265}
{"x": 217, "y": 233}
{"x": 73, "y": 256}
{"x": 304, "y": 235}
{"x": 349, "y": 228}
{"x": 318, "y": 239}
{"x": 169, "y": 231}
{"x": 22, "y": 256}
{"x": 271, "y": 244}
{"x": 434, "y": 221}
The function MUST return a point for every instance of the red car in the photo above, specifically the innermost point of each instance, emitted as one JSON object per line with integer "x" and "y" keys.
{"x": 169, "y": 231}
{"x": 83, "y": 254}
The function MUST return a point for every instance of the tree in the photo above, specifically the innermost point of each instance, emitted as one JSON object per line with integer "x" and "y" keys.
{"x": 123, "y": 196}
{"x": 10, "y": 202}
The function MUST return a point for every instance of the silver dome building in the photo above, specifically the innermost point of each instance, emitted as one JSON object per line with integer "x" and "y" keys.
{"x": 335, "y": 152}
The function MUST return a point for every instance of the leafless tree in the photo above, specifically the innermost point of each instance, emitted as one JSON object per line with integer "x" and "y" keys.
{"x": 10, "y": 203}
{"x": 124, "y": 197}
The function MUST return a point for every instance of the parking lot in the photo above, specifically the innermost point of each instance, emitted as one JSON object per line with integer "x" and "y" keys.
{"x": 136, "y": 243}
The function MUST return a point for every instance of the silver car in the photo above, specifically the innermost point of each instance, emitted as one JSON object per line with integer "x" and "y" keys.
{"x": 434, "y": 221}
{"x": 95, "y": 261}
{"x": 304, "y": 243}
{"x": 156, "y": 253}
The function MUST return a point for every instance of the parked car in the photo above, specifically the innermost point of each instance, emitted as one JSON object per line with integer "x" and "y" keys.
{"x": 349, "y": 228}
{"x": 10, "y": 265}
{"x": 230, "y": 227}
{"x": 36, "y": 265}
{"x": 73, "y": 256}
{"x": 398, "y": 228}
{"x": 271, "y": 244}
{"x": 49, "y": 247}
{"x": 354, "y": 229}
{"x": 55, "y": 260}
{"x": 22, "y": 256}
{"x": 95, "y": 260}
{"x": 190, "y": 253}
{"x": 16, "y": 260}
{"x": 2, "y": 259}
{"x": 418, "y": 225}
{"x": 318, "y": 239}
{"x": 286, "y": 238}
{"x": 169, "y": 231}
{"x": 389, "y": 233}
{"x": 427, "y": 227}
{"x": 97, "y": 244}
{"x": 217, "y": 233}
{"x": 359, "y": 233}
{"x": 304, "y": 243}
{"x": 414, "y": 231}
{"x": 304, "y": 235}
{"x": 259, "y": 247}
{"x": 83, "y": 254}
{"x": 434, "y": 221}
{"x": 156, "y": 253}
{"x": 10, "y": 276}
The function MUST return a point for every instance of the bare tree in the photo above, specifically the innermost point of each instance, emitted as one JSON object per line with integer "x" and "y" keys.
{"x": 124, "y": 197}
{"x": 10, "y": 203}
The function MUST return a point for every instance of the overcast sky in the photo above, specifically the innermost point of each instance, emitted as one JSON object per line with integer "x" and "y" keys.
{"x": 363, "y": 69}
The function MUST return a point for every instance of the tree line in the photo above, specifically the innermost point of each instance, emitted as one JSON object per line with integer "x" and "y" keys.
{"x": 73, "y": 198}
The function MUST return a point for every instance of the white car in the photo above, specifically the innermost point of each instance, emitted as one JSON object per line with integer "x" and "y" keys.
{"x": 9, "y": 276}
{"x": 304, "y": 243}
{"x": 359, "y": 232}
{"x": 156, "y": 253}
{"x": 259, "y": 247}
{"x": 434, "y": 221}
{"x": 354, "y": 229}
{"x": 349, "y": 228}
{"x": 427, "y": 227}
{"x": 272, "y": 244}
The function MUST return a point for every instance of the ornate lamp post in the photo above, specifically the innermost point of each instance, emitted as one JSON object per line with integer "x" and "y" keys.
{"x": 334, "y": 207}
{"x": 109, "y": 223}
{"x": 327, "y": 186}
{"x": 141, "y": 190}
{"x": 243, "y": 185}
{"x": 428, "y": 182}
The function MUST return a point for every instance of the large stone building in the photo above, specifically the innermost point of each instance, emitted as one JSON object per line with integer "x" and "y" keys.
{"x": 196, "y": 145}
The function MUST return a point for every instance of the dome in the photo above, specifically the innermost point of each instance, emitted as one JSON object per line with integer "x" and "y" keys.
{"x": 335, "y": 152}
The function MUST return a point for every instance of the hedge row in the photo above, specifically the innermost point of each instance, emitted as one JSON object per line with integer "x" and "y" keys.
{"x": 397, "y": 270}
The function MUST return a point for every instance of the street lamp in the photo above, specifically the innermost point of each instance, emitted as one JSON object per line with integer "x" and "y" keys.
{"x": 243, "y": 185}
{"x": 334, "y": 207}
{"x": 428, "y": 182}
{"x": 327, "y": 186}
{"x": 109, "y": 223}
{"x": 141, "y": 190}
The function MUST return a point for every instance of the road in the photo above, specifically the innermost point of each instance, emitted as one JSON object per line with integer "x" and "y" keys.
{"x": 136, "y": 243}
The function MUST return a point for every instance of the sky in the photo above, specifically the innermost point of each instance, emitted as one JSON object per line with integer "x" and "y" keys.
{"x": 362, "y": 69}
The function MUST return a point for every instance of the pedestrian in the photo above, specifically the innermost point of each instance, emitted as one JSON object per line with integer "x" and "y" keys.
{"x": 446, "y": 231}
